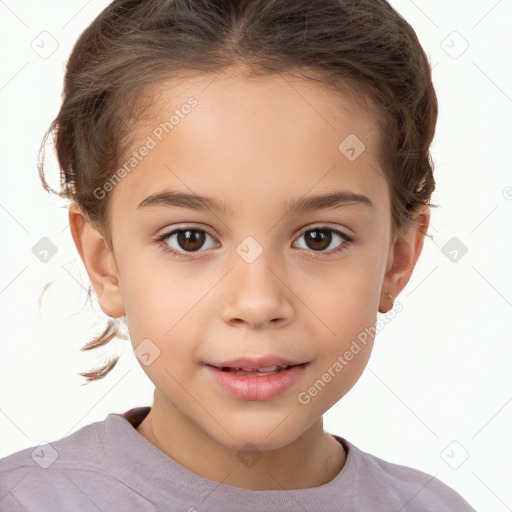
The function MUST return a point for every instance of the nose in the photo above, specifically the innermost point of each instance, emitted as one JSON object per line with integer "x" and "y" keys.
{"x": 258, "y": 296}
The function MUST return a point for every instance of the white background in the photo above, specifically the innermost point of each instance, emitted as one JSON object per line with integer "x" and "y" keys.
{"x": 438, "y": 386}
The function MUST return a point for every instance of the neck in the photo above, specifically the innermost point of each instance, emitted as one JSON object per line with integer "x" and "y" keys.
{"x": 311, "y": 460}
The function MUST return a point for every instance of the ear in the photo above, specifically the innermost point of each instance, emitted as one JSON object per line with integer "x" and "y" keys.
{"x": 403, "y": 254}
{"x": 98, "y": 260}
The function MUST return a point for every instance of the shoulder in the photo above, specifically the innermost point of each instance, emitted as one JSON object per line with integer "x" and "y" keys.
{"x": 75, "y": 450}
{"x": 38, "y": 477}
{"x": 392, "y": 485}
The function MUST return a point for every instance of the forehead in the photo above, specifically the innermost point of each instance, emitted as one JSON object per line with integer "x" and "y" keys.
{"x": 259, "y": 97}
{"x": 232, "y": 133}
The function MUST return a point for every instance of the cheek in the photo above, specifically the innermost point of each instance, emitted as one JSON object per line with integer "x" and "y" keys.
{"x": 344, "y": 297}
{"x": 164, "y": 303}
{"x": 351, "y": 320}
{"x": 152, "y": 308}
{"x": 345, "y": 307}
{"x": 344, "y": 341}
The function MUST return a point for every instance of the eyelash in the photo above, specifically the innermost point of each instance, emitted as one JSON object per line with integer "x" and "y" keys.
{"x": 160, "y": 240}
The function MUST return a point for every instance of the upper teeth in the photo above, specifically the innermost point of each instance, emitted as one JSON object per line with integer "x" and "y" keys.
{"x": 267, "y": 369}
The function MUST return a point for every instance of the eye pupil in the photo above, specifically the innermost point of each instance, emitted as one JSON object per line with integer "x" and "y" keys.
{"x": 191, "y": 240}
{"x": 318, "y": 239}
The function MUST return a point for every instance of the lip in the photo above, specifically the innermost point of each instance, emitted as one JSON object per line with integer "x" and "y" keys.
{"x": 253, "y": 363}
{"x": 251, "y": 387}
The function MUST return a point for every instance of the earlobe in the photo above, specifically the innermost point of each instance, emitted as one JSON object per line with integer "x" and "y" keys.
{"x": 99, "y": 262}
{"x": 403, "y": 255}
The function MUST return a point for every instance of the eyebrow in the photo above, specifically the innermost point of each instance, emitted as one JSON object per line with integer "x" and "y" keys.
{"x": 171, "y": 198}
{"x": 331, "y": 200}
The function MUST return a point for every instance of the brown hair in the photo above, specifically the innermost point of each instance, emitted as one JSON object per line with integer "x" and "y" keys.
{"x": 349, "y": 45}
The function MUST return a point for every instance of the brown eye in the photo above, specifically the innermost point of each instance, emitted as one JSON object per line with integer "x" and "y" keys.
{"x": 323, "y": 239}
{"x": 318, "y": 239}
{"x": 186, "y": 240}
{"x": 190, "y": 240}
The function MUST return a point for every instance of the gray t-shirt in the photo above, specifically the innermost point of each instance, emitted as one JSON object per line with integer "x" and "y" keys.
{"x": 108, "y": 466}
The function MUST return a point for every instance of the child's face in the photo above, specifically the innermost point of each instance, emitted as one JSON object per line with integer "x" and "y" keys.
{"x": 254, "y": 146}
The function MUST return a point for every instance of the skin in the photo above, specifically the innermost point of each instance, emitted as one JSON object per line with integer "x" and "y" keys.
{"x": 255, "y": 144}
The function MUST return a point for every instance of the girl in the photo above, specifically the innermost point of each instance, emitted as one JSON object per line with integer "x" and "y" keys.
{"x": 249, "y": 184}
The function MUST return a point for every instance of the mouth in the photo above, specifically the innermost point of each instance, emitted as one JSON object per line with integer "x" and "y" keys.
{"x": 250, "y": 380}
{"x": 262, "y": 363}
{"x": 257, "y": 372}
